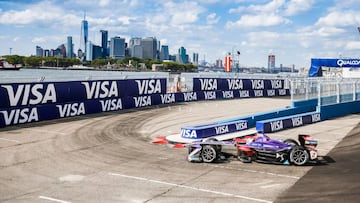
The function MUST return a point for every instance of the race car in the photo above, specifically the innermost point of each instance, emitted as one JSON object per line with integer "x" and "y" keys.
{"x": 260, "y": 148}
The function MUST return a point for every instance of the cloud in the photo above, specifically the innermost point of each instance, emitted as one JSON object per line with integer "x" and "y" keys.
{"x": 294, "y": 7}
{"x": 271, "y": 7}
{"x": 353, "y": 45}
{"x": 183, "y": 13}
{"x": 340, "y": 19}
{"x": 38, "y": 40}
{"x": 261, "y": 20}
{"x": 212, "y": 19}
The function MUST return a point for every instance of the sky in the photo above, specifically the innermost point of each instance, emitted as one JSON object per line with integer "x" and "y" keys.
{"x": 293, "y": 30}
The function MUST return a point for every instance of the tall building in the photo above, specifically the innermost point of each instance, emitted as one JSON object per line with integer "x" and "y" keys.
{"x": 69, "y": 50}
{"x": 39, "y": 51}
{"x": 84, "y": 36}
{"x": 195, "y": 59}
{"x": 89, "y": 51}
{"x": 149, "y": 46}
{"x": 164, "y": 52}
{"x": 182, "y": 58}
{"x": 104, "y": 41}
{"x": 219, "y": 63}
{"x": 271, "y": 63}
{"x": 135, "y": 49}
{"x": 117, "y": 48}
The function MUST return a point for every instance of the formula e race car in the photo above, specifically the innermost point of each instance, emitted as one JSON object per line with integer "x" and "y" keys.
{"x": 259, "y": 148}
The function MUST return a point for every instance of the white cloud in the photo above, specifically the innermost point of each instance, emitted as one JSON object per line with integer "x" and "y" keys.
{"x": 38, "y": 40}
{"x": 340, "y": 19}
{"x": 294, "y": 7}
{"x": 353, "y": 45}
{"x": 261, "y": 20}
{"x": 212, "y": 19}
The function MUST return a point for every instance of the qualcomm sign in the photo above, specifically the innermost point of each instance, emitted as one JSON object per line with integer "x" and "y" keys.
{"x": 348, "y": 62}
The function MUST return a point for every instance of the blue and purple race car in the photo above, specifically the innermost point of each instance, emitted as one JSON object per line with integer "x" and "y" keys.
{"x": 258, "y": 147}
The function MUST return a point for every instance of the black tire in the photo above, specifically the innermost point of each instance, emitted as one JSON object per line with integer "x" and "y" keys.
{"x": 299, "y": 156}
{"x": 217, "y": 147}
{"x": 291, "y": 142}
{"x": 209, "y": 153}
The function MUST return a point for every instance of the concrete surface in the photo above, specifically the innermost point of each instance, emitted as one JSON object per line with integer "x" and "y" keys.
{"x": 109, "y": 158}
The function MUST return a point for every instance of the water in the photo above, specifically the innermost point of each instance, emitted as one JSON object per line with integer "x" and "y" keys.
{"x": 52, "y": 75}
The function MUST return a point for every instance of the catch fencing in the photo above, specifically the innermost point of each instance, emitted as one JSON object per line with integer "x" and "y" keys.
{"x": 326, "y": 90}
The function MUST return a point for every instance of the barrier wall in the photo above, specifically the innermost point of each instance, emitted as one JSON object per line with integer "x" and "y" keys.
{"x": 338, "y": 110}
{"x": 282, "y": 123}
{"x": 32, "y": 102}
{"x": 213, "y": 129}
{"x": 210, "y": 84}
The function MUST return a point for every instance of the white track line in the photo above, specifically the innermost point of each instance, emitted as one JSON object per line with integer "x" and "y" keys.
{"x": 53, "y": 199}
{"x": 253, "y": 171}
{"x": 189, "y": 187}
{"x": 9, "y": 140}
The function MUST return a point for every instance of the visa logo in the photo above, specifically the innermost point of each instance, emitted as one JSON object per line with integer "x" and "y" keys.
{"x": 222, "y": 129}
{"x": 282, "y": 92}
{"x": 190, "y": 96}
{"x": 257, "y": 84}
{"x": 29, "y": 94}
{"x": 244, "y": 93}
{"x": 297, "y": 121}
{"x": 149, "y": 86}
{"x": 315, "y": 117}
{"x": 241, "y": 125}
{"x": 73, "y": 109}
{"x": 276, "y": 126}
{"x": 111, "y": 105}
{"x": 271, "y": 93}
{"x": 142, "y": 101}
{"x": 235, "y": 84}
{"x": 188, "y": 133}
{"x": 258, "y": 93}
{"x": 19, "y": 116}
{"x": 210, "y": 95}
{"x": 101, "y": 89}
{"x": 208, "y": 84}
{"x": 276, "y": 84}
{"x": 228, "y": 94}
{"x": 167, "y": 98}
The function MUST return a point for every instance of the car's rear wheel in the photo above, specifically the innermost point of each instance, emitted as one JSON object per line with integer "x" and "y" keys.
{"x": 299, "y": 156}
{"x": 208, "y": 153}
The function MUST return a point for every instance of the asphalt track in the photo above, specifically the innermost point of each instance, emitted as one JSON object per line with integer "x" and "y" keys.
{"x": 110, "y": 158}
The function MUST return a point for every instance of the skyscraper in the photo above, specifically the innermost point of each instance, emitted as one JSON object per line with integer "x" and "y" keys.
{"x": 135, "y": 48}
{"x": 182, "y": 55}
{"x": 69, "y": 50}
{"x": 164, "y": 52}
{"x": 271, "y": 63}
{"x": 149, "y": 46}
{"x": 195, "y": 58}
{"x": 117, "y": 48}
{"x": 39, "y": 51}
{"x": 84, "y": 36}
{"x": 104, "y": 41}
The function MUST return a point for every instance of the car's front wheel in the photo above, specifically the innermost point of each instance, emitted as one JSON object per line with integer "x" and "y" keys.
{"x": 299, "y": 156}
{"x": 208, "y": 153}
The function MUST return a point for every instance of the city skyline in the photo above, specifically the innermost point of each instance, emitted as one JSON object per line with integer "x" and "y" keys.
{"x": 293, "y": 30}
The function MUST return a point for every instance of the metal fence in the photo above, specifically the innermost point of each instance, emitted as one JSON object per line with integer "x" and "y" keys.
{"x": 326, "y": 90}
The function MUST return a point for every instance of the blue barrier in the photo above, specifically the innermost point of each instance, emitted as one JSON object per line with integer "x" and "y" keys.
{"x": 337, "y": 110}
{"x": 212, "y": 129}
{"x": 282, "y": 123}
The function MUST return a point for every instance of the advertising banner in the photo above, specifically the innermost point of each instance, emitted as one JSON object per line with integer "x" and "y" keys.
{"x": 211, "y": 84}
{"x": 277, "y": 124}
{"x": 32, "y": 94}
{"x": 213, "y": 129}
